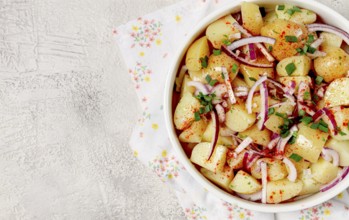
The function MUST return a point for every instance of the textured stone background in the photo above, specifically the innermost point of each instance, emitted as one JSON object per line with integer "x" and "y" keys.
{"x": 67, "y": 111}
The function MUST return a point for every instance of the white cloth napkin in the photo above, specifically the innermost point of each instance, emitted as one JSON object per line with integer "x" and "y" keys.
{"x": 148, "y": 44}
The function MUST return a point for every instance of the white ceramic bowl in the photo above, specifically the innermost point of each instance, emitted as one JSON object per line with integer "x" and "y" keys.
{"x": 329, "y": 16}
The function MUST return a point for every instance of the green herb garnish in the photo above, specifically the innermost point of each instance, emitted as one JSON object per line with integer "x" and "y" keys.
{"x": 204, "y": 61}
{"x": 311, "y": 50}
{"x": 271, "y": 111}
{"x": 301, "y": 112}
{"x": 323, "y": 128}
{"x": 319, "y": 80}
{"x": 293, "y": 138}
{"x": 252, "y": 79}
{"x": 197, "y": 116}
{"x": 306, "y": 120}
{"x": 314, "y": 126}
{"x": 270, "y": 48}
{"x": 290, "y": 68}
{"x": 310, "y": 39}
{"x": 281, "y": 7}
{"x": 216, "y": 52}
{"x": 306, "y": 95}
{"x": 290, "y": 38}
{"x": 295, "y": 157}
{"x": 234, "y": 68}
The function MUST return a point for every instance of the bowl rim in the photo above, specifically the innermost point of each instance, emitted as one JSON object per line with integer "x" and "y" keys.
{"x": 333, "y": 18}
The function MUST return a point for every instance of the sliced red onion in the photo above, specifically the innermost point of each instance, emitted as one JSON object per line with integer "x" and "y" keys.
{"x": 291, "y": 88}
{"x": 317, "y": 42}
{"x": 251, "y": 197}
{"x": 241, "y": 94}
{"x": 333, "y": 124}
{"x": 228, "y": 84}
{"x": 219, "y": 90}
{"x": 241, "y": 89}
{"x": 215, "y": 134}
{"x": 302, "y": 88}
{"x": 328, "y": 28}
{"x": 263, "y": 115}
{"x": 292, "y": 171}
{"x": 330, "y": 155}
{"x": 252, "y": 52}
{"x": 221, "y": 113}
{"x": 250, "y": 40}
{"x": 260, "y": 46}
{"x": 243, "y": 60}
{"x": 319, "y": 114}
{"x": 249, "y": 159}
{"x": 264, "y": 181}
{"x": 334, "y": 182}
{"x": 251, "y": 92}
{"x": 200, "y": 87}
{"x": 179, "y": 79}
{"x": 277, "y": 84}
{"x": 247, "y": 141}
{"x": 283, "y": 141}
{"x": 275, "y": 138}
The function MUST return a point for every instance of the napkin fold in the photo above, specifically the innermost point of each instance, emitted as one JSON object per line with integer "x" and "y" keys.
{"x": 148, "y": 44}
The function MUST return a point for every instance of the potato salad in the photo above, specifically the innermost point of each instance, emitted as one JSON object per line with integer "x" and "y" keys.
{"x": 261, "y": 103}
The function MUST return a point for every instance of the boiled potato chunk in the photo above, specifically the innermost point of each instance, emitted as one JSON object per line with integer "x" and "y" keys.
{"x": 332, "y": 66}
{"x": 309, "y": 143}
{"x": 218, "y": 61}
{"x": 323, "y": 171}
{"x": 278, "y": 30}
{"x": 330, "y": 40}
{"x": 238, "y": 82}
{"x": 217, "y": 161}
{"x": 198, "y": 75}
{"x": 209, "y": 132}
{"x": 282, "y": 190}
{"x": 302, "y": 64}
{"x": 341, "y": 116}
{"x": 303, "y": 17}
{"x": 194, "y": 133}
{"x": 285, "y": 80}
{"x": 342, "y": 147}
{"x": 184, "y": 113}
{"x": 245, "y": 183}
{"x": 251, "y": 74}
{"x": 185, "y": 88}
{"x": 220, "y": 30}
{"x": 199, "y": 49}
{"x": 251, "y": 18}
{"x": 273, "y": 122}
{"x": 310, "y": 185}
{"x": 222, "y": 179}
{"x": 276, "y": 169}
{"x": 270, "y": 17}
{"x": 258, "y": 137}
{"x": 337, "y": 93}
{"x": 237, "y": 118}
